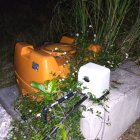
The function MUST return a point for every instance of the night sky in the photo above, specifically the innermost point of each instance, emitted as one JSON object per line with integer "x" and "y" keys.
{"x": 24, "y": 16}
{"x": 36, "y": 6}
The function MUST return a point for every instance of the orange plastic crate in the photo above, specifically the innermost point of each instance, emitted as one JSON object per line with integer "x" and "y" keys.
{"x": 40, "y": 64}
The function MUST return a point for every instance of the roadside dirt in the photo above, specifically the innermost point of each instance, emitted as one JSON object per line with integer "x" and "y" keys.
{"x": 133, "y": 133}
{"x": 7, "y": 76}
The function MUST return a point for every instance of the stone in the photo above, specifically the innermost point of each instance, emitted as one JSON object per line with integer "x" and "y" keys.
{"x": 5, "y": 123}
{"x": 122, "y": 108}
{"x": 131, "y": 66}
{"x": 8, "y": 96}
{"x": 124, "y": 81}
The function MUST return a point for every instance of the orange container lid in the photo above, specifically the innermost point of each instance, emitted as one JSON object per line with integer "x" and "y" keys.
{"x": 58, "y": 49}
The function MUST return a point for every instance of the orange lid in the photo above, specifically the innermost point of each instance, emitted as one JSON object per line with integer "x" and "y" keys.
{"x": 95, "y": 48}
{"x": 67, "y": 40}
{"x": 58, "y": 49}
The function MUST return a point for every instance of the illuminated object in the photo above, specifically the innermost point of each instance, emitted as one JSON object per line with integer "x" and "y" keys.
{"x": 95, "y": 48}
{"x": 68, "y": 40}
{"x": 41, "y": 64}
{"x": 94, "y": 78}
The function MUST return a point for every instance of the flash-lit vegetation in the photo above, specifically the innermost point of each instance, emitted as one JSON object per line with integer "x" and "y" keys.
{"x": 114, "y": 25}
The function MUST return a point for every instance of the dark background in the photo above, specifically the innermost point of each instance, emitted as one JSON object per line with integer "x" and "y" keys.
{"x": 25, "y": 20}
{"x": 36, "y": 6}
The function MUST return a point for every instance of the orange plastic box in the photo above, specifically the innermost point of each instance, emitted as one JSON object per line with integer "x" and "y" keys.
{"x": 40, "y": 64}
{"x": 68, "y": 40}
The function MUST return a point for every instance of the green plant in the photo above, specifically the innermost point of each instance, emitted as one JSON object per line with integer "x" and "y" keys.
{"x": 33, "y": 126}
{"x": 132, "y": 36}
{"x": 89, "y": 21}
{"x": 99, "y": 22}
{"x": 48, "y": 89}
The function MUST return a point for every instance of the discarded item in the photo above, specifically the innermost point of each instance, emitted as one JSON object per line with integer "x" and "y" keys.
{"x": 59, "y": 101}
{"x": 68, "y": 40}
{"x": 72, "y": 110}
{"x": 95, "y": 48}
{"x": 41, "y": 64}
{"x": 95, "y": 79}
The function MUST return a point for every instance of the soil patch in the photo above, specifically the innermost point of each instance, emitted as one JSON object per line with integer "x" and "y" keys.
{"x": 133, "y": 133}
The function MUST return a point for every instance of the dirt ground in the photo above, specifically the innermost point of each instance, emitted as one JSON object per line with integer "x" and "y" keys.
{"x": 7, "y": 76}
{"x": 133, "y": 133}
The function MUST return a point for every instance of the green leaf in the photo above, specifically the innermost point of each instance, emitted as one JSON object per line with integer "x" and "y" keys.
{"x": 60, "y": 125}
{"x": 64, "y": 134}
{"x": 49, "y": 97}
{"x": 62, "y": 131}
{"x": 40, "y": 93}
{"x": 46, "y": 82}
{"x": 52, "y": 86}
{"x": 38, "y": 86}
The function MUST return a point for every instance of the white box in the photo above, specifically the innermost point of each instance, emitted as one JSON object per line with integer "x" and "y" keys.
{"x": 95, "y": 78}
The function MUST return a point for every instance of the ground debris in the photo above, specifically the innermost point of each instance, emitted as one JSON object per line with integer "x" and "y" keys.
{"x": 133, "y": 133}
